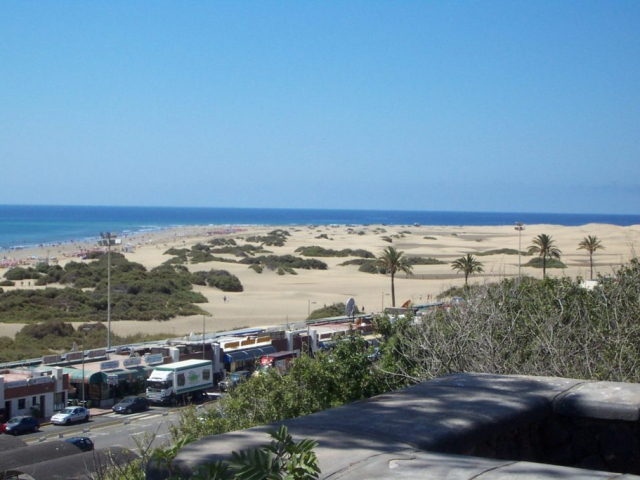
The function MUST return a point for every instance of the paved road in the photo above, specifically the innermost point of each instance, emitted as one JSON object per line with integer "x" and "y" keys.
{"x": 112, "y": 429}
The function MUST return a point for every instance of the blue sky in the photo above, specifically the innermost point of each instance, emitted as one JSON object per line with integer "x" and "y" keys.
{"x": 473, "y": 106}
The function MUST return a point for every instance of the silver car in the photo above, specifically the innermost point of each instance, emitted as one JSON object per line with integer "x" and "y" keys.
{"x": 70, "y": 415}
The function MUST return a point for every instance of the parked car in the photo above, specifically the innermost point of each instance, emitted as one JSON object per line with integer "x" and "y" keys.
{"x": 83, "y": 443}
{"x": 22, "y": 424}
{"x": 233, "y": 380}
{"x": 70, "y": 415}
{"x": 132, "y": 404}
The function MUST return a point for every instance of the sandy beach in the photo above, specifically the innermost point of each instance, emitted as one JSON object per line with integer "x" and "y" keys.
{"x": 270, "y": 299}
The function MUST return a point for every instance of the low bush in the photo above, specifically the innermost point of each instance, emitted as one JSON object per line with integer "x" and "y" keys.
{"x": 224, "y": 281}
{"x": 275, "y": 262}
{"x": 316, "y": 251}
{"x": 20, "y": 273}
{"x": 501, "y": 251}
{"x": 7, "y": 283}
{"x": 551, "y": 263}
{"x": 256, "y": 268}
{"x": 424, "y": 261}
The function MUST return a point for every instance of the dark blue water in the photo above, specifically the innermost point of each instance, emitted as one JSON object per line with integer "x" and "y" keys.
{"x": 24, "y": 225}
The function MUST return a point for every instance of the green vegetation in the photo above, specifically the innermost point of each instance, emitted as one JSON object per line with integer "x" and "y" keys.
{"x": 282, "y": 459}
{"x": 222, "y": 242}
{"x": 501, "y": 251}
{"x": 541, "y": 263}
{"x": 468, "y": 265}
{"x": 7, "y": 283}
{"x": 424, "y": 261}
{"x": 136, "y": 294}
{"x": 550, "y": 327}
{"x": 340, "y": 376}
{"x": 544, "y": 246}
{"x": 315, "y": 251}
{"x": 334, "y": 310}
{"x": 373, "y": 266}
{"x": 429, "y": 238}
{"x": 240, "y": 250}
{"x": 386, "y": 239}
{"x": 224, "y": 281}
{"x": 591, "y": 244}
{"x": 256, "y": 268}
{"x": 275, "y": 238}
{"x": 37, "y": 340}
{"x": 285, "y": 263}
{"x": 394, "y": 261}
{"x": 20, "y": 273}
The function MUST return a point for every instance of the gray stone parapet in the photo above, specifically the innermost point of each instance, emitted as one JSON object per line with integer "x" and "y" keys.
{"x": 426, "y": 430}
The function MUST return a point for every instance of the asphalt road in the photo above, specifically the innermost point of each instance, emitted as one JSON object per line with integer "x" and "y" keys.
{"x": 109, "y": 430}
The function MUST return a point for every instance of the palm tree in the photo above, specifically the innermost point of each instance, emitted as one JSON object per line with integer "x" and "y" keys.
{"x": 467, "y": 265}
{"x": 544, "y": 246}
{"x": 591, "y": 244}
{"x": 394, "y": 261}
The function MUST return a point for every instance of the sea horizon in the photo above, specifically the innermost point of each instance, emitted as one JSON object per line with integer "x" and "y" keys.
{"x": 25, "y": 226}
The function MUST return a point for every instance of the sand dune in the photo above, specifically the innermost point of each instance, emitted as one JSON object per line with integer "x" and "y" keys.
{"x": 269, "y": 298}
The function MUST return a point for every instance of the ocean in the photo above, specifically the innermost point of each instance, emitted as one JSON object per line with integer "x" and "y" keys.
{"x": 33, "y": 225}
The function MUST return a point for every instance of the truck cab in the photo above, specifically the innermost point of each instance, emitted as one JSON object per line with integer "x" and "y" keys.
{"x": 160, "y": 386}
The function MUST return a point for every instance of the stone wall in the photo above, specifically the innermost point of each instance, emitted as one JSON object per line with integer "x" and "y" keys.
{"x": 463, "y": 426}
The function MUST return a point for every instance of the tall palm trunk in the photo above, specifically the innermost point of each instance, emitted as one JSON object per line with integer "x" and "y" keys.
{"x": 393, "y": 290}
{"x": 544, "y": 267}
{"x": 591, "y": 263}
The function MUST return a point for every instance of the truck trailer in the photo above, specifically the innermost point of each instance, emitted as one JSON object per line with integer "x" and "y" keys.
{"x": 179, "y": 382}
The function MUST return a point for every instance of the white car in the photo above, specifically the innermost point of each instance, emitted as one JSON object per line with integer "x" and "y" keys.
{"x": 70, "y": 415}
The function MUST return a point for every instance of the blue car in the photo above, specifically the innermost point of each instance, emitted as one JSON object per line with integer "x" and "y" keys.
{"x": 23, "y": 424}
{"x": 83, "y": 443}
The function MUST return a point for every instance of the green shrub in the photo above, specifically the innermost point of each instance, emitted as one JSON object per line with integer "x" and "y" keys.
{"x": 333, "y": 310}
{"x": 256, "y": 268}
{"x": 370, "y": 266}
{"x": 7, "y": 283}
{"x": 501, "y": 251}
{"x": 551, "y": 263}
{"x": 316, "y": 251}
{"x": 386, "y": 239}
{"x": 19, "y": 273}
{"x": 424, "y": 261}
{"x": 224, "y": 281}
{"x": 274, "y": 262}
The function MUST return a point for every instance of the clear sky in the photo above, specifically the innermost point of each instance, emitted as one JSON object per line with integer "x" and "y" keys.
{"x": 520, "y": 106}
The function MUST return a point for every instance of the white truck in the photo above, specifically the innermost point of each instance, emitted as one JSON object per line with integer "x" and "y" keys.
{"x": 180, "y": 381}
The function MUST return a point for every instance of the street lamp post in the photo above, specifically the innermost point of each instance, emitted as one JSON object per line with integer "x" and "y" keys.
{"x": 203, "y": 333}
{"x": 309, "y": 303}
{"x": 84, "y": 330}
{"x": 519, "y": 227}
{"x": 108, "y": 237}
{"x": 382, "y": 300}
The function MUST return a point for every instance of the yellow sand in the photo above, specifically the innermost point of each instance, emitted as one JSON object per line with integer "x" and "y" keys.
{"x": 270, "y": 299}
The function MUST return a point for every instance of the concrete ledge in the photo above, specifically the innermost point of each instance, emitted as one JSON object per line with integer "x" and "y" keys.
{"x": 435, "y": 418}
{"x": 601, "y": 400}
{"x": 421, "y": 431}
{"x": 418, "y": 465}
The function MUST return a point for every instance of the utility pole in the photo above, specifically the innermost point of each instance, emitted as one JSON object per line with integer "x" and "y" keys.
{"x": 108, "y": 237}
{"x": 519, "y": 228}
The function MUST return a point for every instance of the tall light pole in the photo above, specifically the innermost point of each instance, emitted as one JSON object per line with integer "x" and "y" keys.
{"x": 203, "y": 333}
{"x": 84, "y": 330}
{"x": 519, "y": 228}
{"x": 108, "y": 238}
{"x": 309, "y": 302}
{"x": 382, "y": 300}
